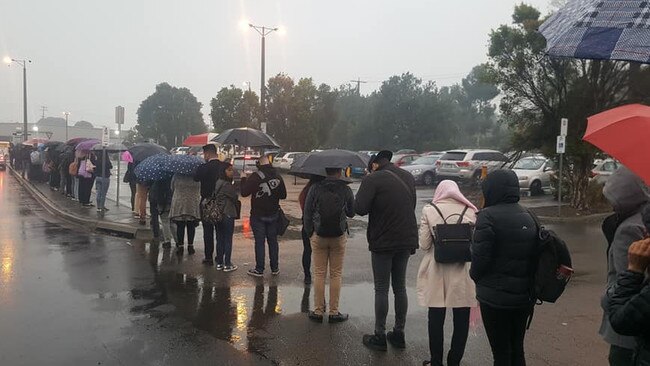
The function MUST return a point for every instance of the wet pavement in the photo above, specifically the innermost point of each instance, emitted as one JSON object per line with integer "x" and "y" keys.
{"x": 72, "y": 297}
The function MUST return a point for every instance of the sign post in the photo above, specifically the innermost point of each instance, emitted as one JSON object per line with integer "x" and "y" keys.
{"x": 119, "y": 120}
{"x": 561, "y": 149}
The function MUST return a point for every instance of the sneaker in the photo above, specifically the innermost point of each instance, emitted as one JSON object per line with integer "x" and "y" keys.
{"x": 219, "y": 267}
{"x": 180, "y": 249}
{"x": 255, "y": 273}
{"x": 375, "y": 342}
{"x": 230, "y": 268}
{"x": 318, "y": 318}
{"x": 190, "y": 249}
{"x": 396, "y": 339}
{"x": 338, "y": 318}
{"x": 208, "y": 262}
{"x": 99, "y": 210}
{"x": 276, "y": 272}
{"x": 105, "y": 209}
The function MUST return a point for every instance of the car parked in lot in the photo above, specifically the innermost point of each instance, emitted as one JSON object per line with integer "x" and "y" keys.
{"x": 423, "y": 169}
{"x": 284, "y": 159}
{"x": 406, "y": 151}
{"x": 403, "y": 159}
{"x": 604, "y": 169}
{"x": 243, "y": 163}
{"x": 466, "y": 165}
{"x": 534, "y": 173}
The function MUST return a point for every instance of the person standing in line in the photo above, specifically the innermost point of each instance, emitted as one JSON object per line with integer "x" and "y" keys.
{"x": 208, "y": 175}
{"x": 160, "y": 201}
{"x": 86, "y": 181}
{"x": 185, "y": 211}
{"x": 306, "y": 238}
{"x": 129, "y": 177}
{"x": 102, "y": 177}
{"x": 628, "y": 195}
{"x": 226, "y": 227}
{"x": 388, "y": 195}
{"x": 445, "y": 285}
{"x": 328, "y": 205}
{"x": 503, "y": 250}
{"x": 141, "y": 195}
{"x": 266, "y": 188}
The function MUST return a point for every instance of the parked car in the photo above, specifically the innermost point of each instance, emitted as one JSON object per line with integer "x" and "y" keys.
{"x": 423, "y": 169}
{"x": 285, "y": 159}
{"x": 180, "y": 150}
{"x": 243, "y": 163}
{"x": 466, "y": 165}
{"x": 369, "y": 152}
{"x": 534, "y": 174}
{"x": 405, "y": 151}
{"x": 603, "y": 170}
{"x": 403, "y": 159}
{"x": 3, "y": 159}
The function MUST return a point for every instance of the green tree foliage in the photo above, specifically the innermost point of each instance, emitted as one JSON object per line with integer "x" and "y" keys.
{"x": 233, "y": 107}
{"x": 538, "y": 91}
{"x": 169, "y": 115}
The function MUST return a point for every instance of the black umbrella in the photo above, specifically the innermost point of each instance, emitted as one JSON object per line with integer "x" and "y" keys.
{"x": 110, "y": 148}
{"x": 315, "y": 163}
{"x": 144, "y": 150}
{"x": 246, "y": 137}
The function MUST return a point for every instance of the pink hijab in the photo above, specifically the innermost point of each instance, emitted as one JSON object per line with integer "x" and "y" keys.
{"x": 449, "y": 189}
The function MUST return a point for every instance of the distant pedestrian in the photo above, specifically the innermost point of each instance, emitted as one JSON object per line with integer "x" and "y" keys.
{"x": 208, "y": 174}
{"x": 502, "y": 255}
{"x": 102, "y": 175}
{"x": 226, "y": 227}
{"x": 629, "y": 195}
{"x": 86, "y": 181}
{"x": 185, "y": 212}
{"x": 329, "y": 203}
{"x": 129, "y": 177}
{"x": 388, "y": 195}
{"x": 266, "y": 188}
{"x": 306, "y": 239}
{"x": 160, "y": 201}
{"x": 445, "y": 285}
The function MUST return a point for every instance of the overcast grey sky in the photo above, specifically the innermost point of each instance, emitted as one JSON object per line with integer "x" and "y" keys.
{"x": 89, "y": 56}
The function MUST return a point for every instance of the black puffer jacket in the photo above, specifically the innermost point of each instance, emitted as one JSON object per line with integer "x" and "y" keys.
{"x": 392, "y": 225}
{"x": 629, "y": 314}
{"x": 504, "y": 244}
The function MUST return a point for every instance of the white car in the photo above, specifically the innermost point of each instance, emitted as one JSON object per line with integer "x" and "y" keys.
{"x": 604, "y": 169}
{"x": 284, "y": 160}
{"x": 466, "y": 165}
{"x": 534, "y": 174}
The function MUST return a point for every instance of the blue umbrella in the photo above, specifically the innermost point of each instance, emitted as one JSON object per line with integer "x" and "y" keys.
{"x": 600, "y": 30}
{"x": 151, "y": 169}
{"x": 181, "y": 164}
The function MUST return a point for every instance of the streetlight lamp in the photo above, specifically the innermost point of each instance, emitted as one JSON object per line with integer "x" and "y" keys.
{"x": 263, "y": 31}
{"x": 8, "y": 60}
{"x": 66, "y": 114}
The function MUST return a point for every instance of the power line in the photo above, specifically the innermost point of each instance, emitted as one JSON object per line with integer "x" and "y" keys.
{"x": 359, "y": 82}
{"x": 43, "y": 110}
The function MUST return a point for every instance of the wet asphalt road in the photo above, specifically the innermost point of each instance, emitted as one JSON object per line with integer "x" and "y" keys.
{"x": 68, "y": 297}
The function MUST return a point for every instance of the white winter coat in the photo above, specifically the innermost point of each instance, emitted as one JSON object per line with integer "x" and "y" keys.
{"x": 443, "y": 285}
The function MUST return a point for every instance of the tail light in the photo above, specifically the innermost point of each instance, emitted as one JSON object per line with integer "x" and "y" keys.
{"x": 463, "y": 164}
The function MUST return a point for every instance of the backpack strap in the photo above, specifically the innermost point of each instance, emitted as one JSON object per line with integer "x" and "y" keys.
{"x": 440, "y": 213}
{"x": 408, "y": 190}
{"x": 462, "y": 215}
{"x": 261, "y": 174}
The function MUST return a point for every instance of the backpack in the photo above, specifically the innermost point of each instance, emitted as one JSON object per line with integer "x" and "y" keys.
{"x": 452, "y": 242}
{"x": 213, "y": 208}
{"x": 552, "y": 265}
{"x": 330, "y": 206}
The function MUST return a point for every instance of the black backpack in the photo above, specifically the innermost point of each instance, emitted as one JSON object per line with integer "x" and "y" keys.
{"x": 451, "y": 242}
{"x": 330, "y": 206}
{"x": 552, "y": 265}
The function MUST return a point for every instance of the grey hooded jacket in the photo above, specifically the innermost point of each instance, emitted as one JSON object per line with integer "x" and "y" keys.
{"x": 628, "y": 195}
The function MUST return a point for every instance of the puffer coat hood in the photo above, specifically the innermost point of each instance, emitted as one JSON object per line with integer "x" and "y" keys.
{"x": 501, "y": 186}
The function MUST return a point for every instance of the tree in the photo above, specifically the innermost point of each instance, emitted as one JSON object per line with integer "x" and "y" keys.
{"x": 278, "y": 107}
{"x": 169, "y": 115}
{"x": 325, "y": 114}
{"x": 225, "y": 108}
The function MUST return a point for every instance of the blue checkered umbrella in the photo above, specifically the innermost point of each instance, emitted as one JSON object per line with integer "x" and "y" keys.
{"x": 181, "y": 164}
{"x": 151, "y": 169}
{"x": 600, "y": 30}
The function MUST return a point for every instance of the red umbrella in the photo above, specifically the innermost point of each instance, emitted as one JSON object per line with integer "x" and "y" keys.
{"x": 623, "y": 133}
{"x": 199, "y": 140}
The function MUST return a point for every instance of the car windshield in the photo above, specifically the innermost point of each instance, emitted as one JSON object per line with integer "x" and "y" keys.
{"x": 425, "y": 160}
{"x": 239, "y": 163}
{"x": 529, "y": 164}
{"x": 454, "y": 156}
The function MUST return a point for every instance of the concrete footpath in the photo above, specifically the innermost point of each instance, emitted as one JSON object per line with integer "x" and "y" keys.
{"x": 118, "y": 220}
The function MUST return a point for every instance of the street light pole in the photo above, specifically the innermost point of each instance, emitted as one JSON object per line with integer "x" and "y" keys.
{"x": 263, "y": 31}
{"x": 66, "y": 124}
{"x": 23, "y": 63}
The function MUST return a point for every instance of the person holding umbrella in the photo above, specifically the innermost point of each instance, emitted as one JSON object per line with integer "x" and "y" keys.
{"x": 306, "y": 238}
{"x": 102, "y": 175}
{"x": 266, "y": 188}
{"x": 226, "y": 227}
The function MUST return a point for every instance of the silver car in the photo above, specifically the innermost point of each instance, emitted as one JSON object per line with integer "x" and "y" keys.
{"x": 465, "y": 165}
{"x": 534, "y": 174}
{"x": 423, "y": 169}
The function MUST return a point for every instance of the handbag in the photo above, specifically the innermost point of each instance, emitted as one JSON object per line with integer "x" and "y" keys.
{"x": 90, "y": 167}
{"x": 212, "y": 209}
{"x": 283, "y": 223}
{"x": 73, "y": 168}
{"x": 451, "y": 242}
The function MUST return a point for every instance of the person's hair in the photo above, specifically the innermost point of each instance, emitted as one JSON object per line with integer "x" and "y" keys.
{"x": 332, "y": 171}
{"x": 222, "y": 174}
{"x": 209, "y": 148}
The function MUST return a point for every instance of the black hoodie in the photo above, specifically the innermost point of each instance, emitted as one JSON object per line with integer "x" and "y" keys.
{"x": 504, "y": 244}
{"x": 265, "y": 193}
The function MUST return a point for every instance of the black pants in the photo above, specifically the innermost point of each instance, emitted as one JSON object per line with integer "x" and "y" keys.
{"x": 619, "y": 356}
{"x": 505, "y": 329}
{"x": 306, "y": 254}
{"x": 458, "y": 340}
{"x": 209, "y": 236}
{"x": 390, "y": 268}
{"x": 85, "y": 189}
{"x": 132, "y": 185}
{"x": 55, "y": 179}
{"x": 180, "y": 232}
{"x": 68, "y": 185}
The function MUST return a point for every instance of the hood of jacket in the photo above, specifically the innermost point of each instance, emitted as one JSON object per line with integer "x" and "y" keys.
{"x": 501, "y": 186}
{"x": 626, "y": 192}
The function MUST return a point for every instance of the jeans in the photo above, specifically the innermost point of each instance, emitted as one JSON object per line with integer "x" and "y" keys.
{"x": 75, "y": 187}
{"x": 208, "y": 239}
{"x": 160, "y": 223}
{"x": 306, "y": 253}
{"x": 102, "y": 188}
{"x": 458, "y": 340}
{"x": 506, "y": 329}
{"x": 619, "y": 356}
{"x": 225, "y": 231}
{"x": 390, "y": 267}
{"x": 327, "y": 252}
{"x": 265, "y": 229}
{"x": 180, "y": 232}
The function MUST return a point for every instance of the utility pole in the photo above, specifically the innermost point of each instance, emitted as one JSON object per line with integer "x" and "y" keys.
{"x": 43, "y": 110}
{"x": 66, "y": 114}
{"x": 263, "y": 31}
{"x": 359, "y": 82}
